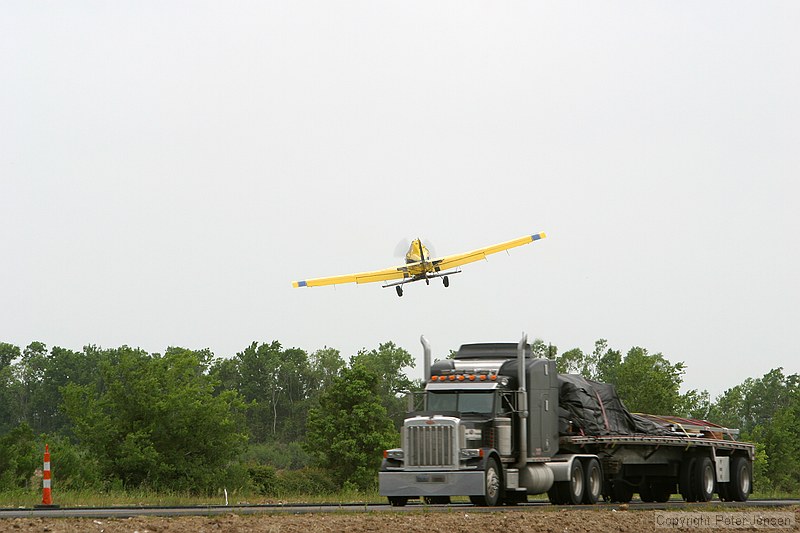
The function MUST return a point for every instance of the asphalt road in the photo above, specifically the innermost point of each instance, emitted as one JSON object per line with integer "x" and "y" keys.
{"x": 127, "y": 512}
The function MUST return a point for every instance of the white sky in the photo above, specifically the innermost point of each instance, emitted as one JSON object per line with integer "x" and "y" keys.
{"x": 168, "y": 168}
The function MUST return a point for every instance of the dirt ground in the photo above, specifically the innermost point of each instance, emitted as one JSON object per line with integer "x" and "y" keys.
{"x": 456, "y": 520}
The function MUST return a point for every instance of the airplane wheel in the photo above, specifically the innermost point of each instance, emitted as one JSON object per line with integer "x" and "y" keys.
{"x": 399, "y": 290}
{"x": 446, "y": 281}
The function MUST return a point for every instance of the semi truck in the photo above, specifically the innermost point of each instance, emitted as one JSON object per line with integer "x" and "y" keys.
{"x": 496, "y": 424}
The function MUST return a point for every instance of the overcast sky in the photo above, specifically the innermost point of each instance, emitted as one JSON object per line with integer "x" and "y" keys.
{"x": 168, "y": 168}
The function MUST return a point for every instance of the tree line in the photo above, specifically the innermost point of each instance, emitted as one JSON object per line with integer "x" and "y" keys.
{"x": 272, "y": 419}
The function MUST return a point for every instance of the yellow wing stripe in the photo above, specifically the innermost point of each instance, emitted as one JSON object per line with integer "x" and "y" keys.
{"x": 360, "y": 277}
{"x": 452, "y": 261}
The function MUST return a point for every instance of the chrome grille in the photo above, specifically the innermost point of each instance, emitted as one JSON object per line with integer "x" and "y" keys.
{"x": 431, "y": 445}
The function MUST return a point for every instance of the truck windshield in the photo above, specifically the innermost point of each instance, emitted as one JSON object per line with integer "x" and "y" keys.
{"x": 463, "y": 402}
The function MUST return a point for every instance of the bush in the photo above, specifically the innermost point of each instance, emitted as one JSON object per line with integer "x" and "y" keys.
{"x": 19, "y": 458}
{"x": 263, "y": 479}
{"x": 73, "y": 467}
{"x": 268, "y": 481}
{"x": 282, "y": 456}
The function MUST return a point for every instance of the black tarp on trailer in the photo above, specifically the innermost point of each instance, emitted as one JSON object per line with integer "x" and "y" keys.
{"x": 589, "y": 407}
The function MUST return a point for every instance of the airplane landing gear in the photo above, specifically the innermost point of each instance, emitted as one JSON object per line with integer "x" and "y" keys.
{"x": 446, "y": 281}
{"x": 399, "y": 290}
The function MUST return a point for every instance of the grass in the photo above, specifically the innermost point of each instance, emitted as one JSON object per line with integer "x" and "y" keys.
{"x": 144, "y": 498}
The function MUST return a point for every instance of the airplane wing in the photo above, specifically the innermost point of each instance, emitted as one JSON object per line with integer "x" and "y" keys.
{"x": 360, "y": 277}
{"x": 452, "y": 261}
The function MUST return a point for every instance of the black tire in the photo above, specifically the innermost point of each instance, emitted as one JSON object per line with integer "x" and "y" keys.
{"x": 398, "y": 501}
{"x": 576, "y": 483}
{"x": 741, "y": 484}
{"x": 621, "y": 492}
{"x": 685, "y": 484}
{"x": 722, "y": 491}
{"x": 399, "y": 290}
{"x": 558, "y": 493}
{"x": 646, "y": 492}
{"x": 516, "y": 497}
{"x": 593, "y": 481}
{"x": 446, "y": 281}
{"x": 493, "y": 485}
{"x": 662, "y": 491}
{"x": 704, "y": 479}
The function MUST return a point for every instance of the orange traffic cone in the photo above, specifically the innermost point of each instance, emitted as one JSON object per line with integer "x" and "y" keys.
{"x": 47, "y": 496}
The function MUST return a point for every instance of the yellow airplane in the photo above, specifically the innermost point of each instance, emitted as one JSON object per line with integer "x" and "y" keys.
{"x": 420, "y": 266}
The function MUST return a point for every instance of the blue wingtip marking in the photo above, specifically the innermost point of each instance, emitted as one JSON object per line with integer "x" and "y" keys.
{"x": 301, "y": 284}
{"x": 536, "y": 237}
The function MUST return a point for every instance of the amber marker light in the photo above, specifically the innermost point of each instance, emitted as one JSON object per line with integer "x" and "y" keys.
{"x": 472, "y": 377}
{"x": 461, "y": 377}
{"x": 483, "y": 377}
{"x": 452, "y": 378}
{"x": 493, "y": 377}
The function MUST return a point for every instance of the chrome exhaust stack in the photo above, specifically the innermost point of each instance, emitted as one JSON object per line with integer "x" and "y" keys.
{"x": 523, "y": 400}
{"x": 426, "y": 357}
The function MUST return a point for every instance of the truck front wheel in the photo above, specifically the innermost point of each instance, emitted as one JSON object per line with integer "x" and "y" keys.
{"x": 492, "y": 486}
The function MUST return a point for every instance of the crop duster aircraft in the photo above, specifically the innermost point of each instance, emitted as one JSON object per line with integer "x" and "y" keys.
{"x": 420, "y": 266}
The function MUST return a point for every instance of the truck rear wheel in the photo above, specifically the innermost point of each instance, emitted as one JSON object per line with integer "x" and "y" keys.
{"x": 557, "y": 493}
{"x": 594, "y": 482}
{"x": 397, "y": 501}
{"x": 576, "y": 484}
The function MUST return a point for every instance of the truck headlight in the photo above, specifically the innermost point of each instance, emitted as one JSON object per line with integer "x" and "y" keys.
{"x": 471, "y": 453}
{"x": 396, "y": 454}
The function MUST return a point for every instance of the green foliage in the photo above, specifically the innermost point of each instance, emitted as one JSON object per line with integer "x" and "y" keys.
{"x": 268, "y": 481}
{"x": 9, "y": 407}
{"x": 18, "y": 458}
{"x": 388, "y": 362}
{"x": 153, "y": 420}
{"x": 350, "y": 428}
{"x": 276, "y": 383}
{"x": 288, "y": 456}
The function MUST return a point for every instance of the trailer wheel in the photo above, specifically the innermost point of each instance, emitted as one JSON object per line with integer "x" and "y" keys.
{"x": 437, "y": 500}
{"x": 722, "y": 491}
{"x": 398, "y": 501}
{"x": 646, "y": 492}
{"x": 741, "y": 479}
{"x": 685, "y": 483}
{"x": 662, "y": 491}
{"x": 594, "y": 482}
{"x": 493, "y": 486}
{"x": 621, "y": 492}
{"x": 704, "y": 479}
